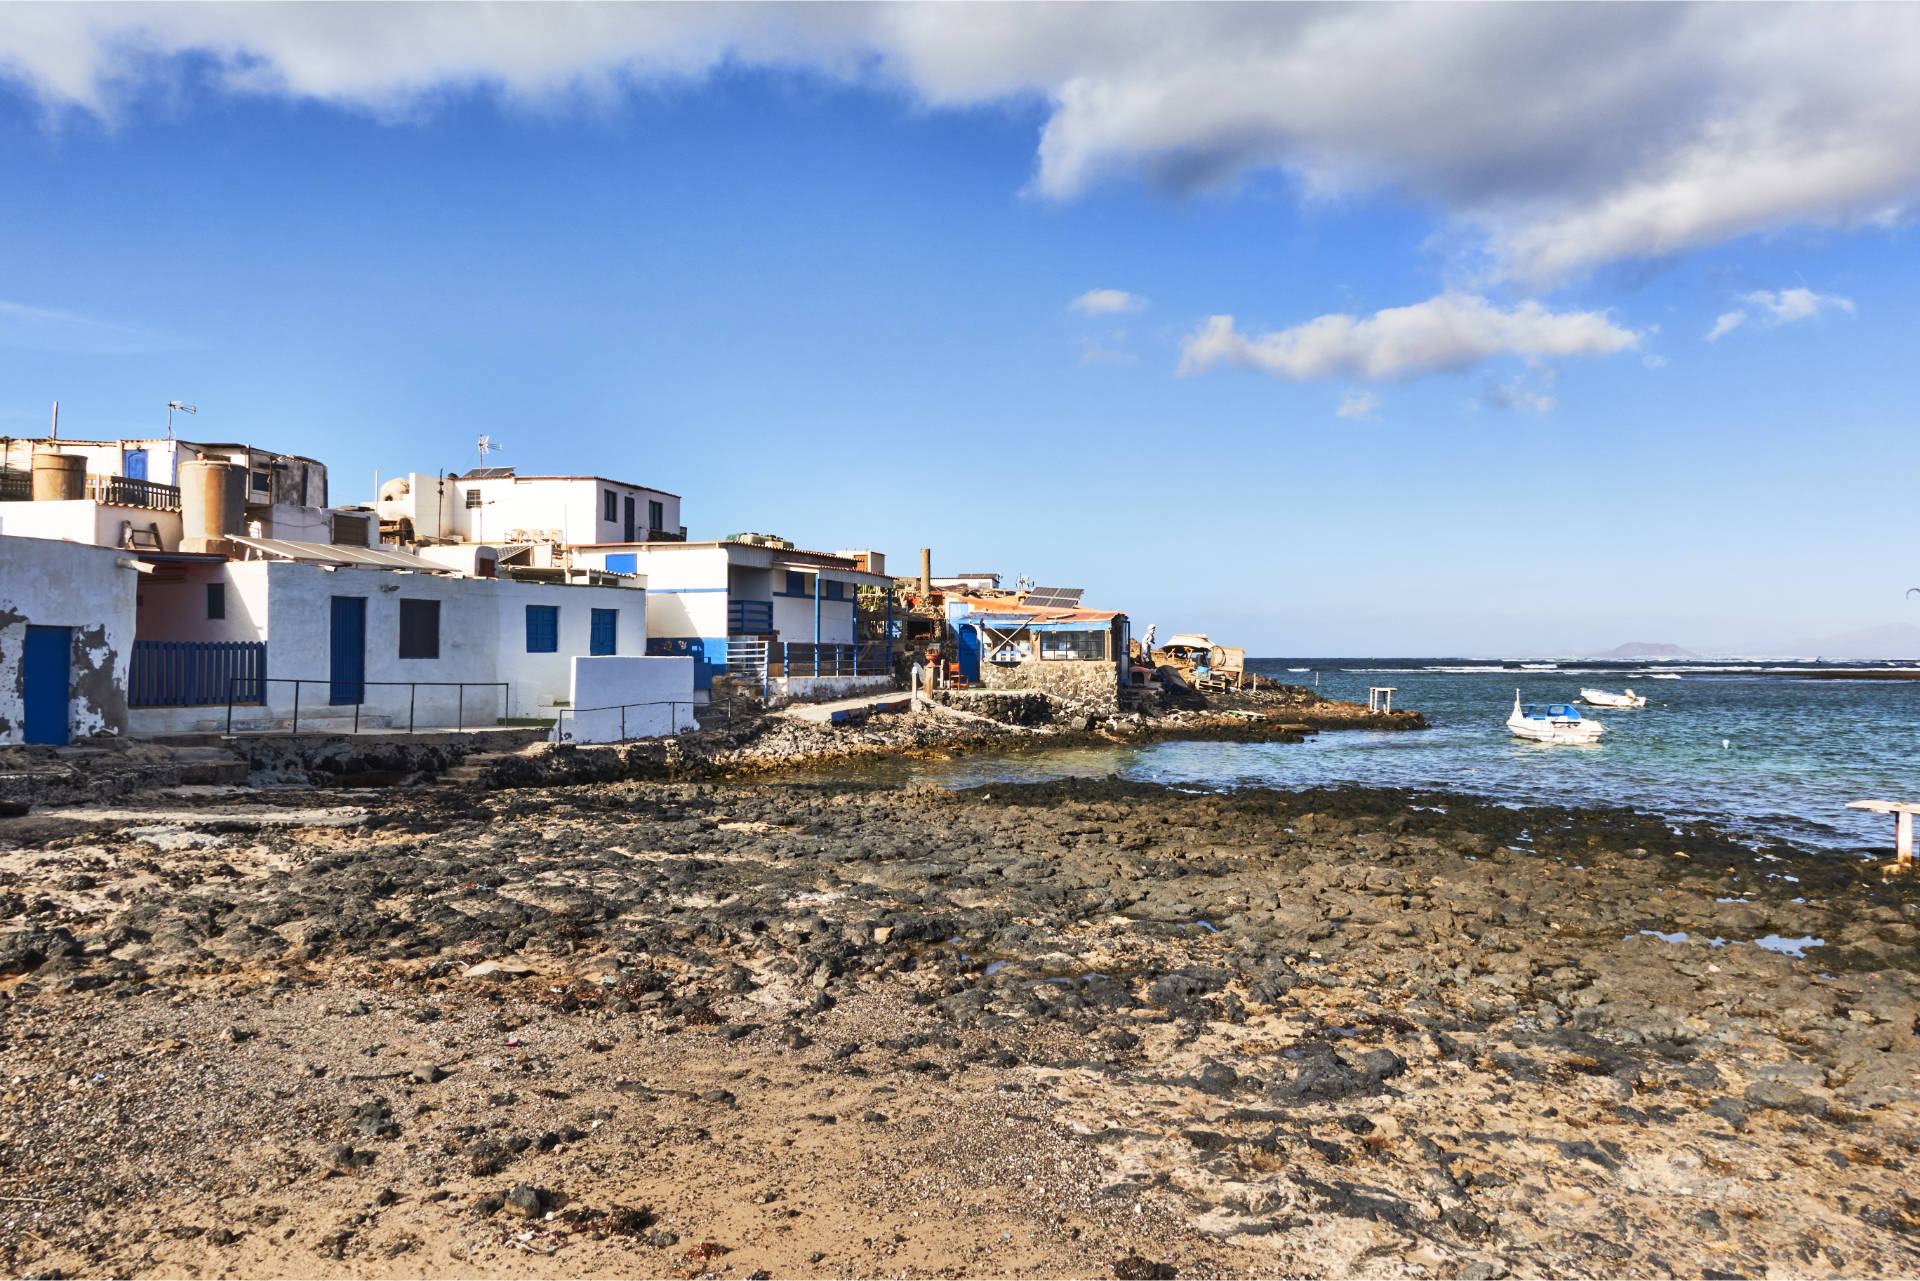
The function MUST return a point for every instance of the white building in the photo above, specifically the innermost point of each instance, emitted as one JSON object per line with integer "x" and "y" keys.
{"x": 343, "y": 643}
{"x": 66, "y": 635}
{"x": 126, "y": 493}
{"x": 492, "y": 505}
{"x": 803, "y": 606}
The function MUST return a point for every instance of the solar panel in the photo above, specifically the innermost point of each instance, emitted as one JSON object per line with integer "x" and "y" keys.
{"x": 1056, "y": 597}
{"x": 488, "y": 473}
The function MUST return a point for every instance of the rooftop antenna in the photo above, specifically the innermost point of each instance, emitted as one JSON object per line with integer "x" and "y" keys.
{"x": 185, "y": 409}
{"x": 487, "y": 447}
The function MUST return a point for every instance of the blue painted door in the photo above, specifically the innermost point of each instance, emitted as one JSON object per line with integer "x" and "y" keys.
{"x": 348, "y": 650}
{"x": 970, "y": 654}
{"x": 46, "y": 678}
{"x": 135, "y": 464}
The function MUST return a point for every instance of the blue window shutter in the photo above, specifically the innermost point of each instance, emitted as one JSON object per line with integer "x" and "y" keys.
{"x": 605, "y": 625}
{"x": 543, "y": 629}
{"x": 623, "y": 563}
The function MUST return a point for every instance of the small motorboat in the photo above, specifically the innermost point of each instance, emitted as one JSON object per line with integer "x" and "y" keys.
{"x": 1552, "y": 723}
{"x": 1600, "y": 698}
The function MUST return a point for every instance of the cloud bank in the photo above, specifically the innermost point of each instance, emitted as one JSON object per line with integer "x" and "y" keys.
{"x": 1561, "y": 137}
{"x": 1444, "y": 334}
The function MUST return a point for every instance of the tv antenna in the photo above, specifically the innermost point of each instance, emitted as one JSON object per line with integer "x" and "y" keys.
{"x": 487, "y": 447}
{"x": 185, "y": 409}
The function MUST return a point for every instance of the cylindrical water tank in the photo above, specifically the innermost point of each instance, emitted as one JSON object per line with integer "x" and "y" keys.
{"x": 58, "y": 476}
{"x": 212, "y": 505}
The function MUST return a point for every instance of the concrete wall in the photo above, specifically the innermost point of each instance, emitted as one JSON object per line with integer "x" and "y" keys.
{"x": 45, "y": 583}
{"x": 610, "y": 683}
{"x": 177, "y": 611}
{"x": 686, "y": 589}
{"x": 806, "y": 689}
{"x": 81, "y": 520}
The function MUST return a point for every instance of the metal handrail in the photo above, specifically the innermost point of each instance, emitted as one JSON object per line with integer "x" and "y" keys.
{"x": 460, "y": 706}
{"x": 561, "y": 713}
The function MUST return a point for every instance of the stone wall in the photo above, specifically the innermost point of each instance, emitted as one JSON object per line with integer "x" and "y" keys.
{"x": 1086, "y": 688}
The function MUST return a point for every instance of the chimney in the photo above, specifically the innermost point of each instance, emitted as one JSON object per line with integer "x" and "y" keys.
{"x": 926, "y": 574}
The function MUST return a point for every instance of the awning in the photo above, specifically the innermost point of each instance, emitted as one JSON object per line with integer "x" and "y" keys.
{"x": 334, "y": 554}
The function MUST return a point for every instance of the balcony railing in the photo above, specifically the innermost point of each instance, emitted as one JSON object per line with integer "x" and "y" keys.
{"x": 667, "y": 535}
{"x": 124, "y": 491}
{"x": 16, "y": 486}
{"x": 749, "y": 617}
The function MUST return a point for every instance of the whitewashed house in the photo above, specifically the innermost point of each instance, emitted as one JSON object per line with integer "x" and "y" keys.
{"x": 66, "y": 637}
{"x": 374, "y": 638}
{"x": 531, "y": 518}
{"x": 788, "y": 616}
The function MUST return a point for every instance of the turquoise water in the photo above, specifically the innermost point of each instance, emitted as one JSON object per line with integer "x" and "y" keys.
{"x": 1772, "y": 754}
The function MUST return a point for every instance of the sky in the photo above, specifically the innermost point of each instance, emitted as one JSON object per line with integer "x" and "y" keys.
{"x": 1479, "y": 330}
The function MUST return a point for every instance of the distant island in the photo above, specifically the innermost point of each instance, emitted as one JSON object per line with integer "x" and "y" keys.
{"x": 1647, "y": 649}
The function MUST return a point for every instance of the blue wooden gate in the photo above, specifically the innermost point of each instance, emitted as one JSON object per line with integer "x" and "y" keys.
{"x": 196, "y": 673}
{"x": 47, "y": 667}
{"x": 347, "y": 661}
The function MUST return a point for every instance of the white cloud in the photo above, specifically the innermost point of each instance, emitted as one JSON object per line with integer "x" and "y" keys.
{"x": 1450, "y": 332}
{"x": 1653, "y": 360}
{"x": 1516, "y": 395}
{"x": 1563, "y": 136}
{"x": 1106, "y": 302}
{"x": 1770, "y": 309}
{"x": 1566, "y": 135}
{"x": 1361, "y": 406}
{"x": 1726, "y": 323}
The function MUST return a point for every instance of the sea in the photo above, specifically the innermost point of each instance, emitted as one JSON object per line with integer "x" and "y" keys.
{"x": 1768, "y": 751}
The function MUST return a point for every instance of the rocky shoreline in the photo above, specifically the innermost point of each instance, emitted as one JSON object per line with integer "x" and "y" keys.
{"x": 1090, "y": 1028}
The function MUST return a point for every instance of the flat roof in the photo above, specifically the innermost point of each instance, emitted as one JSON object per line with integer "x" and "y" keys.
{"x": 605, "y": 479}
{"x": 335, "y": 554}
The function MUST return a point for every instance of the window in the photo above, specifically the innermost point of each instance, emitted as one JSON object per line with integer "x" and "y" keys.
{"x": 834, "y": 590}
{"x": 610, "y": 504}
{"x": 419, "y": 629}
{"x": 796, "y": 584}
{"x": 261, "y": 482}
{"x": 1074, "y": 645}
{"x": 602, "y": 638}
{"x": 543, "y": 629}
{"x": 216, "y": 600}
{"x": 473, "y": 498}
{"x": 657, "y": 516}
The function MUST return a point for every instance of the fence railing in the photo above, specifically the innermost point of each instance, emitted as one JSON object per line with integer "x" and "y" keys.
{"x": 750, "y": 616}
{"x": 16, "y": 486}
{"x": 123, "y": 491}
{"x": 196, "y": 673}
{"x": 805, "y": 658}
{"x": 340, "y": 693}
{"x": 561, "y": 734}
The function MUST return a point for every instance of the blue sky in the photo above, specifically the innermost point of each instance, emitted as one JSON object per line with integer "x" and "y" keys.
{"x": 817, "y": 271}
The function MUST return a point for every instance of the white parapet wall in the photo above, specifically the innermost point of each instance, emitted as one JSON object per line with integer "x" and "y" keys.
{"x": 616, "y": 698}
{"x": 810, "y": 689}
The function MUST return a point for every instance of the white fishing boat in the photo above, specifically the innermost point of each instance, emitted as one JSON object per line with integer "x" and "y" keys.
{"x": 1600, "y": 698}
{"x": 1552, "y": 723}
{"x": 1665, "y": 676}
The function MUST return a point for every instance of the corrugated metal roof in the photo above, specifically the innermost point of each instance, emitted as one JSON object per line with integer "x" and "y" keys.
{"x": 334, "y": 554}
